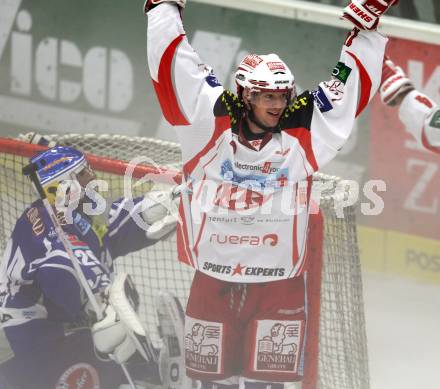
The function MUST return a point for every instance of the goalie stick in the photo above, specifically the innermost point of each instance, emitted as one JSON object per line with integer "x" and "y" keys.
{"x": 31, "y": 172}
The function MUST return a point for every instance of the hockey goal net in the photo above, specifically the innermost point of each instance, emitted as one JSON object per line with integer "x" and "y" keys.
{"x": 343, "y": 362}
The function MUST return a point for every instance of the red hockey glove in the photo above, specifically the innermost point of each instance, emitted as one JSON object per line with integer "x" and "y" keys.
{"x": 365, "y": 14}
{"x": 394, "y": 84}
{"x": 149, "y": 4}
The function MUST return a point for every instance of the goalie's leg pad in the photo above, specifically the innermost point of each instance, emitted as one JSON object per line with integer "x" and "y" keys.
{"x": 274, "y": 339}
{"x": 171, "y": 328}
{"x": 124, "y": 299}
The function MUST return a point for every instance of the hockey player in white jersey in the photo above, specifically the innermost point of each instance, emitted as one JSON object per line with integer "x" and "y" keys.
{"x": 419, "y": 113}
{"x": 248, "y": 160}
{"x": 45, "y": 313}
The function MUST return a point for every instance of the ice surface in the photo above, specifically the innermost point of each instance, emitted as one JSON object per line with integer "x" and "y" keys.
{"x": 403, "y": 330}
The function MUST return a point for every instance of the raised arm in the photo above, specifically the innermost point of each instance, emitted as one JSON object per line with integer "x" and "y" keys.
{"x": 337, "y": 102}
{"x": 186, "y": 88}
{"x": 419, "y": 114}
{"x": 355, "y": 80}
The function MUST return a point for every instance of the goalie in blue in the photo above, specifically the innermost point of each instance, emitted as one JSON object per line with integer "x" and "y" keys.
{"x": 46, "y": 316}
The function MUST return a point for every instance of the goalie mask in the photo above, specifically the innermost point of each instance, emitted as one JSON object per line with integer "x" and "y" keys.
{"x": 64, "y": 170}
{"x": 264, "y": 73}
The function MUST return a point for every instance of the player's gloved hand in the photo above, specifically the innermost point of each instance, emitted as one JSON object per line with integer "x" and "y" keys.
{"x": 161, "y": 212}
{"x": 149, "y": 4}
{"x": 111, "y": 337}
{"x": 394, "y": 84}
{"x": 365, "y": 14}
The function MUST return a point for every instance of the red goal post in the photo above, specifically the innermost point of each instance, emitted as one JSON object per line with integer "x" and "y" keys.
{"x": 343, "y": 359}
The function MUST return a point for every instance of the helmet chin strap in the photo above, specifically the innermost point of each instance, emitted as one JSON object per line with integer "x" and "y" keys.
{"x": 253, "y": 119}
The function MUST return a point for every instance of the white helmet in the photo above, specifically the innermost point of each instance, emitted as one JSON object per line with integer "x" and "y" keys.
{"x": 264, "y": 73}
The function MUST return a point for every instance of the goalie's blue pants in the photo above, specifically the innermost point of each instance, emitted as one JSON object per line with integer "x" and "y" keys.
{"x": 70, "y": 363}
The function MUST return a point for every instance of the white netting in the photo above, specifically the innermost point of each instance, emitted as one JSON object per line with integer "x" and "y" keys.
{"x": 343, "y": 362}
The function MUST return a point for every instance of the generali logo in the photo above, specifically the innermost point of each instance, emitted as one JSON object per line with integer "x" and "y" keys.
{"x": 42, "y": 90}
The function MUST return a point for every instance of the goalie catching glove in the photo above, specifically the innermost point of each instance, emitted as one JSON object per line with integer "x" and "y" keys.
{"x": 395, "y": 84}
{"x": 161, "y": 212}
{"x": 365, "y": 14}
{"x": 120, "y": 334}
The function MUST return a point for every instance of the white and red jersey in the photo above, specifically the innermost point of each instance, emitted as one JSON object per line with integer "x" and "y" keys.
{"x": 245, "y": 211}
{"x": 421, "y": 117}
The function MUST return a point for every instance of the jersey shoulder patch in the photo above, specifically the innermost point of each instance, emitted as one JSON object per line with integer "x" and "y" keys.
{"x": 299, "y": 113}
{"x": 228, "y": 104}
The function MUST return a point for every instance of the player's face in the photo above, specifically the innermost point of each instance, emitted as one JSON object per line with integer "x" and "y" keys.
{"x": 269, "y": 106}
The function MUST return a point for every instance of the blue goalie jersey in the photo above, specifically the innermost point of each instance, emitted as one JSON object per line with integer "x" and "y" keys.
{"x": 39, "y": 290}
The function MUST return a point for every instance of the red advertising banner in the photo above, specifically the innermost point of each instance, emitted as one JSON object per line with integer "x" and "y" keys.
{"x": 412, "y": 174}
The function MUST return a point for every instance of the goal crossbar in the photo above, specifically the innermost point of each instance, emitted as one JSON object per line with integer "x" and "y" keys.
{"x": 165, "y": 175}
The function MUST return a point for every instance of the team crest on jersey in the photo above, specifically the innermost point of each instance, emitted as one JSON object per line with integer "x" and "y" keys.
{"x": 235, "y": 198}
{"x": 81, "y": 375}
{"x": 278, "y": 346}
{"x": 203, "y": 346}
